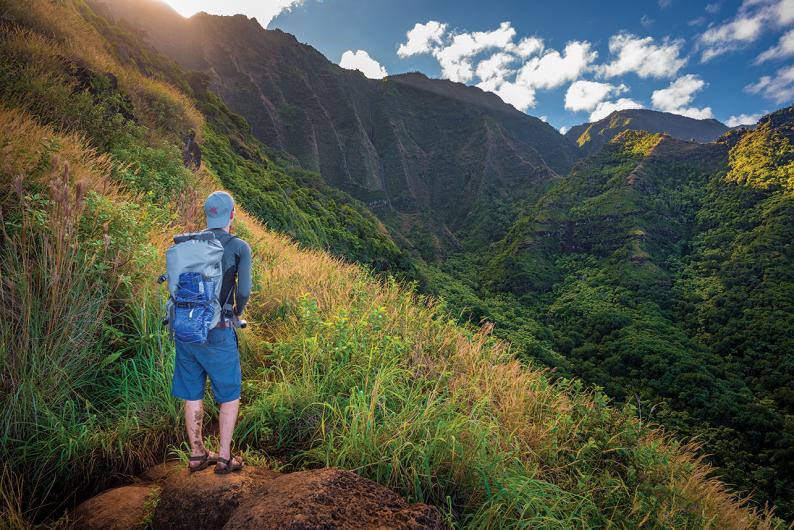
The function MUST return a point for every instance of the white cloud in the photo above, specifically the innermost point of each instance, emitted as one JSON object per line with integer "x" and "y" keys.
{"x": 784, "y": 12}
{"x": 713, "y": 8}
{"x": 753, "y": 18}
{"x": 643, "y": 56}
{"x": 692, "y": 112}
{"x": 493, "y": 70}
{"x": 455, "y": 59}
{"x": 520, "y": 96}
{"x": 646, "y": 21}
{"x": 779, "y": 88}
{"x": 264, "y": 12}
{"x": 528, "y": 46}
{"x": 564, "y": 129}
{"x": 678, "y": 95}
{"x": 784, "y": 48}
{"x": 422, "y": 38}
{"x": 664, "y": 4}
{"x": 727, "y": 37}
{"x": 586, "y": 95}
{"x": 512, "y": 70}
{"x": 361, "y": 61}
{"x": 743, "y": 119}
{"x": 605, "y": 108}
{"x": 553, "y": 69}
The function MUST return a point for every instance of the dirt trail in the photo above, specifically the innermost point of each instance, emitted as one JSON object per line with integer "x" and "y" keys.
{"x": 170, "y": 498}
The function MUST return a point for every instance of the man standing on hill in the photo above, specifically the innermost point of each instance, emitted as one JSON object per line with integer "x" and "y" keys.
{"x": 219, "y": 358}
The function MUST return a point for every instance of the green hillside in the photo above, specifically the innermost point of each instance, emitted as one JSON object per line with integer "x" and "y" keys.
{"x": 662, "y": 272}
{"x": 286, "y": 198}
{"x": 444, "y": 165}
{"x": 341, "y": 368}
{"x": 590, "y": 137}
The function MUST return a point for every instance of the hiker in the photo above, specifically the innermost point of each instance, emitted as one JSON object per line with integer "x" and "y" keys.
{"x": 215, "y": 353}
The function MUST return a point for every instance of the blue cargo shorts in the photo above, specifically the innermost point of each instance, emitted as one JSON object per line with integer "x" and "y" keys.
{"x": 219, "y": 359}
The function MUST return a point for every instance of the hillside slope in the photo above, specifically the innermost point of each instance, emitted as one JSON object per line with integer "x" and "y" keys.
{"x": 662, "y": 270}
{"x": 434, "y": 159}
{"x": 590, "y": 137}
{"x": 341, "y": 369}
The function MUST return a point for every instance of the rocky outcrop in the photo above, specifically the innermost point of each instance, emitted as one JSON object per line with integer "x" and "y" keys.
{"x": 255, "y": 498}
{"x": 191, "y": 152}
{"x": 117, "y": 508}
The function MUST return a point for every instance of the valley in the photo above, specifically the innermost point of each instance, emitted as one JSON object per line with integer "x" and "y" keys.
{"x": 441, "y": 279}
{"x": 588, "y": 251}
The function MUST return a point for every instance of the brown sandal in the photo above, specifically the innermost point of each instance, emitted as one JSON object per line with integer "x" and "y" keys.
{"x": 205, "y": 460}
{"x": 228, "y": 465}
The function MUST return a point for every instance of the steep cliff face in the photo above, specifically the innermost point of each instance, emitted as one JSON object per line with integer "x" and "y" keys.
{"x": 590, "y": 137}
{"x": 430, "y": 157}
{"x": 665, "y": 269}
{"x": 630, "y": 202}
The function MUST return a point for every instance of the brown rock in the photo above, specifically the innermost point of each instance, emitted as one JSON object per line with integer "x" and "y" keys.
{"x": 115, "y": 509}
{"x": 255, "y": 498}
{"x": 160, "y": 472}
{"x": 330, "y": 499}
{"x": 204, "y": 500}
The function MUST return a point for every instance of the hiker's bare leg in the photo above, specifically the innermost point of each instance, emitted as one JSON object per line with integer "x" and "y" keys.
{"x": 194, "y": 418}
{"x": 227, "y": 420}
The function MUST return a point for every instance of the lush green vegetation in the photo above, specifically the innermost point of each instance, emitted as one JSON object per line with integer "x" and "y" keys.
{"x": 662, "y": 272}
{"x": 287, "y": 199}
{"x": 294, "y": 201}
{"x": 658, "y": 269}
{"x": 341, "y": 368}
{"x": 591, "y": 137}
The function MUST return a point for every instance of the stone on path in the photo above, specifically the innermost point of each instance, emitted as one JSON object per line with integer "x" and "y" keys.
{"x": 254, "y": 498}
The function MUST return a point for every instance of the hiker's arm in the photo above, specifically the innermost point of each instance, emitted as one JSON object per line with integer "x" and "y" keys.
{"x": 243, "y": 278}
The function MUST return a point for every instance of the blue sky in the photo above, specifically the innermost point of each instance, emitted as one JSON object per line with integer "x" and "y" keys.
{"x": 566, "y": 61}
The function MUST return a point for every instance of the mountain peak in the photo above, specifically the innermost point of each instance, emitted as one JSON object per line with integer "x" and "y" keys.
{"x": 459, "y": 91}
{"x": 592, "y": 136}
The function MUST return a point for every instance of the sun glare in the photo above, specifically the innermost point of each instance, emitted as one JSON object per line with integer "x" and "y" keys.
{"x": 263, "y": 10}
{"x": 186, "y": 8}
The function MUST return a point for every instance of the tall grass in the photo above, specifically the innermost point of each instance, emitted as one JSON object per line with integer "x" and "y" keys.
{"x": 400, "y": 395}
{"x": 340, "y": 368}
{"x": 85, "y": 362}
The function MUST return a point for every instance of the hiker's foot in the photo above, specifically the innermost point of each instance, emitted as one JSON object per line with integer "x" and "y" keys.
{"x": 200, "y": 461}
{"x": 227, "y": 465}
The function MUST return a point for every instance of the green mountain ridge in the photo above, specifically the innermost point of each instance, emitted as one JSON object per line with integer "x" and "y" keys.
{"x": 590, "y": 137}
{"x": 583, "y": 270}
{"x": 287, "y": 198}
{"x": 661, "y": 269}
{"x": 434, "y": 159}
{"x": 342, "y": 368}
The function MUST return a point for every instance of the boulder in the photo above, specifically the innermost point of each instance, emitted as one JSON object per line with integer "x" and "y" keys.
{"x": 254, "y": 498}
{"x": 204, "y": 500}
{"x": 330, "y": 499}
{"x": 117, "y": 508}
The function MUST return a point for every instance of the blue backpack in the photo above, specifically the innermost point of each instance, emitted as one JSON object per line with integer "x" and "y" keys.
{"x": 194, "y": 271}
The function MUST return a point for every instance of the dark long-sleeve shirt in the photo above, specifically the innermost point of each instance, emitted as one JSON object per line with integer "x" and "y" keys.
{"x": 236, "y": 286}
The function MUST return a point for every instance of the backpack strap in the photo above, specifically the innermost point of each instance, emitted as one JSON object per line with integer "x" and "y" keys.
{"x": 226, "y": 307}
